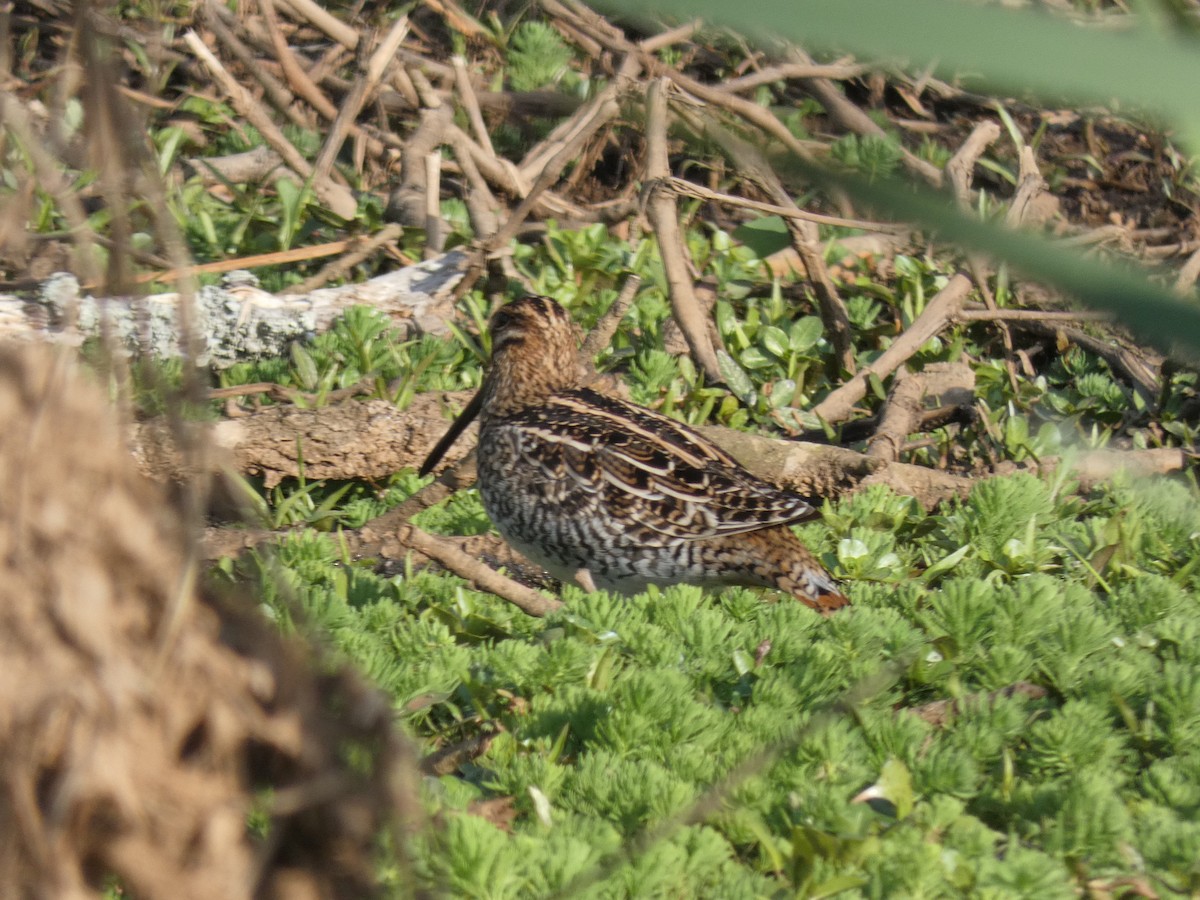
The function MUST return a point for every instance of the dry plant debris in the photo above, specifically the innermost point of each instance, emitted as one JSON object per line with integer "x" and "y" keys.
{"x": 142, "y": 720}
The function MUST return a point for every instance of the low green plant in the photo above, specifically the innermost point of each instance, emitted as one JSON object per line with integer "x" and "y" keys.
{"x": 612, "y": 716}
{"x": 875, "y": 156}
{"x": 537, "y": 57}
{"x": 364, "y": 344}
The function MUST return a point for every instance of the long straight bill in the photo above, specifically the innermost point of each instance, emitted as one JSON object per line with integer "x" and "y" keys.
{"x": 465, "y": 418}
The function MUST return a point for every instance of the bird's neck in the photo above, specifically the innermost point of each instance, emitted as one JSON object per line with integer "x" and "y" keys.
{"x": 531, "y": 377}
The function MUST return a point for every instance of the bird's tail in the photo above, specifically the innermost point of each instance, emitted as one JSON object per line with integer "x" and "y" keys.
{"x": 807, "y": 581}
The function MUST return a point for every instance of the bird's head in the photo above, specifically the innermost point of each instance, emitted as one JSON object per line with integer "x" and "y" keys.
{"x": 535, "y": 352}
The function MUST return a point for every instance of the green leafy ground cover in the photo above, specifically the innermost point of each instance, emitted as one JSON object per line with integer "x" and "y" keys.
{"x": 610, "y": 720}
{"x": 612, "y": 716}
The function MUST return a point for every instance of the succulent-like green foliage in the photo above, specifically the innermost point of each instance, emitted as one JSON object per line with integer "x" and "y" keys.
{"x": 612, "y": 716}
{"x": 537, "y": 56}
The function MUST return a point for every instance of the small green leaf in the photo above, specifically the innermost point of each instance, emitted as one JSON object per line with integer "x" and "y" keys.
{"x": 894, "y": 786}
{"x": 743, "y": 662}
{"x": 171, "y": 139}
{"x": 836, "y": 885}
{"x": 946, "y": 563}
{"x": 208, "y": 227}
{"x": 306, "y": 368}
{"x": 805, "y": 333}
{"x": 783, "y": 392}
{"x": 851, "y": 548}
{"x": 541, "y": 805}
{"x": 289, "y": 196}
{"x": 775, "y": 340}
{"x": 735, "y": 376}
{"x": 599, "y": 676}
{"x": 730, "y": 328}
{"x": 753, "y": 358}
{"x": 558, "y": 748}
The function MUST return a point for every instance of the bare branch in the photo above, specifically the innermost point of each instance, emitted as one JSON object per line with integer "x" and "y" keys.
{"x": 938, "y": 313}
{"x": 664, "y": 219}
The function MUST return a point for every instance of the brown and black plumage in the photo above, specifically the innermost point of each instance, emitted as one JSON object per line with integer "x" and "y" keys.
{"x": 616, "y": 495}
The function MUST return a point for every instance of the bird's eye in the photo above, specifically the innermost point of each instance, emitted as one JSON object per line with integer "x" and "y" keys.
{"x": 508, "y": 333}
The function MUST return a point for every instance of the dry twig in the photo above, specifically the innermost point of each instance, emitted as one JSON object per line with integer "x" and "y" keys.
{"x": 751, "y": 164}
{"x": 905, "y": 414}
{"x": 318, "y": 16}
{"x": 336, "y": 197}
{"x": 1185, "y": 281}
{"x": 664, "y": 218}
{"x": 601, "y": 336}
{"x": 789, "y": 211}
{"x": 526, "y": 599}
{"x": 938, "y": 313}
{"x": 960, "y": 170}
{"x": 358, "y": 251}
{"x": 364, "y": 86}
{"x": 292, "y": 70}
{"x": 855, "y": 120}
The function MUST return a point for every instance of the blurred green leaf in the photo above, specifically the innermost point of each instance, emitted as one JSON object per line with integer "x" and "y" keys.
{"x": 306, "y": 368}
{"x": 1155, "y": 313}
{"x": 764, "y": 236}
{"x": 805, "y": 333}
{"x": 1024, "y": 49}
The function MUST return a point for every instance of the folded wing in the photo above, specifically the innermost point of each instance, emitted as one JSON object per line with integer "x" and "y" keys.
{"x": 654, "y": 471}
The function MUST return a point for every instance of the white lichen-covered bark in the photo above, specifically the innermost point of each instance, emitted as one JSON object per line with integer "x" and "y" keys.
{"x": 235, "y": 321}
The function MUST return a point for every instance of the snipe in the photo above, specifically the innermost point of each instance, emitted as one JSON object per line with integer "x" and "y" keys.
{"x": 615, "y": 495}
